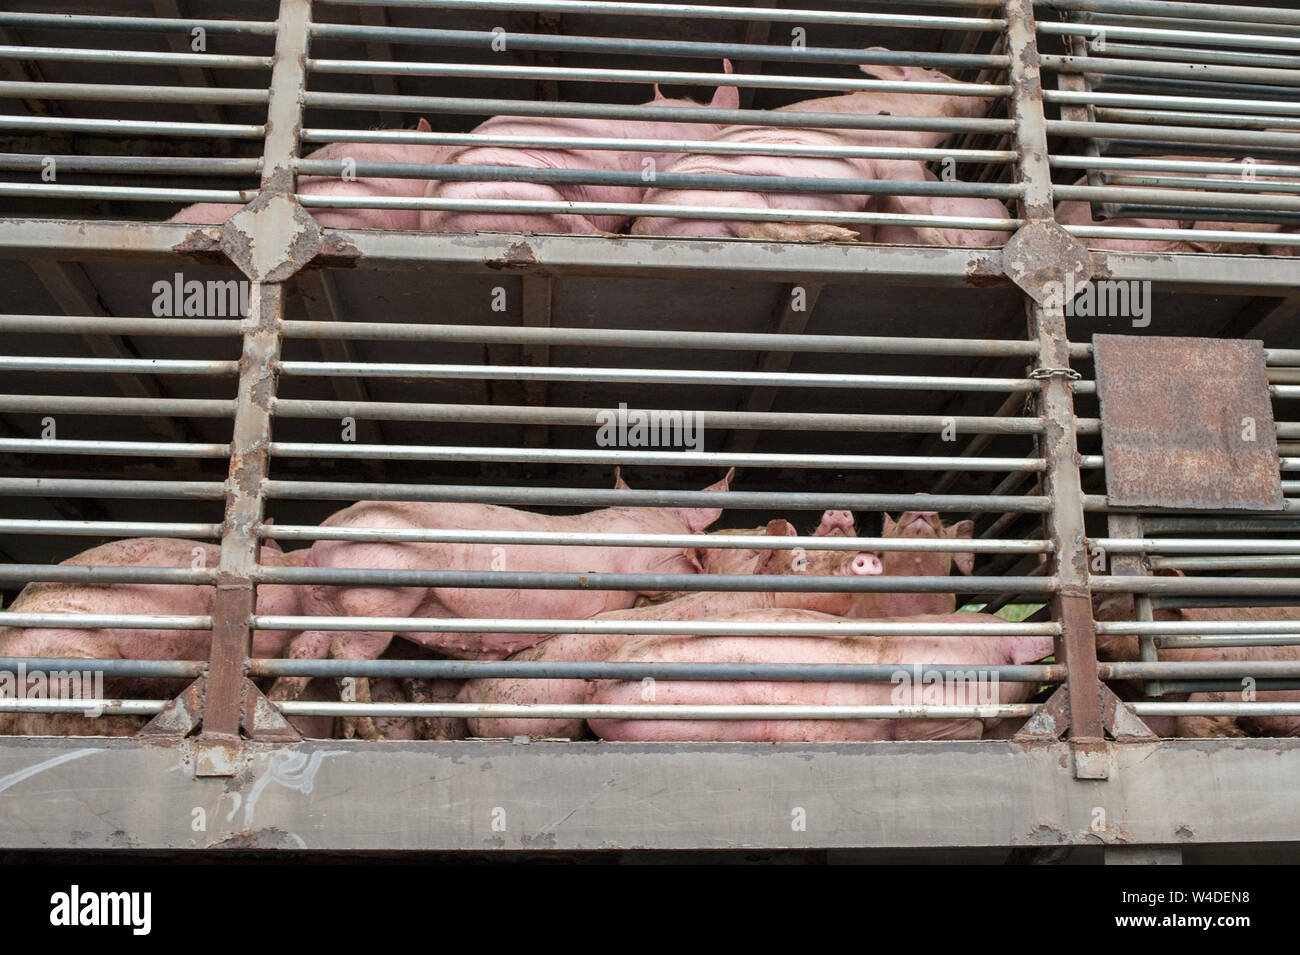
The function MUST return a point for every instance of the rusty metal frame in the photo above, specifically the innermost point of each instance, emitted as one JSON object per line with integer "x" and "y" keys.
{"x": 1043, "y": 255}
{"x": 269, "y": 240}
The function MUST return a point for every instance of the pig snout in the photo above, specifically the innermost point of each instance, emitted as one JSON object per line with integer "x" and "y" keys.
{"x": 865, "y": 564}
{"x": 836, "y": 524}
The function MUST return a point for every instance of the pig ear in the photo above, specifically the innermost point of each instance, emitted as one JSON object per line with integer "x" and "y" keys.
{"x": 887, "y": 524}
{"x": 882, "y": 71}
{"x": 698, "y": 518}
{"x": 725, "y": 97}
{"x": 693, "y": 555}
{"x": 423, "y": 126}
{"x": 658, "y": 94}
{"x": 781, "y": 528}
{"x": 267, "y": 542}
{"x": 966, "y": 561}
{"x": 619, "y": 483}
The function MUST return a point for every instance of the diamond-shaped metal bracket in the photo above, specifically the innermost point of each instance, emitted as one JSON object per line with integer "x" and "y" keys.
{"x": 1045, "y": 261}
{"x": 287, "y": 237}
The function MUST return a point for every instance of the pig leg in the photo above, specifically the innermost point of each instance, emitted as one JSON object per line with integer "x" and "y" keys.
{"x": 795, "y": 232}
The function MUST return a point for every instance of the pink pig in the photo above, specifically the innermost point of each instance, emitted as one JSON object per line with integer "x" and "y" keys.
{"x": 629, "y": 160}
{"x": 352, "y": 189}
{"x": 154, "y": 644}
{"x": 860, "y": 103}
{"x": 908, "y": 688}
{"x": 590, "y": 647}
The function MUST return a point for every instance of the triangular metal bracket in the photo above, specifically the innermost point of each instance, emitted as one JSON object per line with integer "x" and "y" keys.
{"x": 259, "y": 718}
{"x": 1052, "y": 721}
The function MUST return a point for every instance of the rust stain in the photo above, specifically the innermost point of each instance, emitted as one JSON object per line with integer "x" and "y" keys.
{"x": 519, "y": 255}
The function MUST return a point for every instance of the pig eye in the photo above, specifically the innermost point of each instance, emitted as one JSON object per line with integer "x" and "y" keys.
{"x": 799, "y": 563}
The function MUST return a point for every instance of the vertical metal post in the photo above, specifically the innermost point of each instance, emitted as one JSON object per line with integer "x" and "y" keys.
{"x": 1042, "y": 254}
{"x": 252, "y": 238}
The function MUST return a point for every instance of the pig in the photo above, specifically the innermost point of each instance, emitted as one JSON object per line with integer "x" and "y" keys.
{"x": 589, "y": 647}
{"x": 438, "y": 602}
{"x": 1120, "y": 607}
{"x": 859, "y": 103}
{"x": 629, "y": 160}
{"x": 405, "y": 219}
{"x": 118, "y": 598}
{"x": 1074, "y": 212}
{"x": 908, "y": 688}
{"x": 965, "y": 207}
{"x": 915, "y": 525}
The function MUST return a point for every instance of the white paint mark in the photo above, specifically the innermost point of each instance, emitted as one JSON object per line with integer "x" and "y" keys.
{"x": 30, "y": 771}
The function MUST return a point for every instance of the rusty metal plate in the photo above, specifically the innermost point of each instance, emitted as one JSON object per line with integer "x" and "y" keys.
{"x": 1186, "y": 423}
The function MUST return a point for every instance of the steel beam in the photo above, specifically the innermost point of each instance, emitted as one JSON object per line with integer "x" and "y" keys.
{"x": 500, "y": 795}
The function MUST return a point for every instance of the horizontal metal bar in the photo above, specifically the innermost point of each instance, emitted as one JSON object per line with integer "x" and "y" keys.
{"x": 106, "y": 621}
{"x": 1227, "y": 640}
{"x": 96, "y": 324}
{"x": 1176, "y": 134}
{"x": 645, "y": 583}
{"x": 167, "y": 669}
{"x": 162, "y": 165}
{"x": 684, "y": 458}
{"x": 121, "y": 93}
{"x": 306, "y": 532}
{"x": 1142, "y": 164}
{"x": 1203, "y": 545}
{"x": 659, "y": 338}
{"x": 1200, "y": 669}
{"x": 604, "y": 670}
{"x": 677, "y": 77}
{"x": 1190, "y": 235}
{"x": 840, "y": 627}
{"x": 705, "y": 11}
{"x": 1175, "y": 197}
{"x": 88, "y": 487}
{"x": 51, "y": 190}
{"x": 1258, "y": 708}
{"x": 1230, "y": 686}
{"x": 1195, "y": 627}
{"x": 1281, "y": 523}
{"x": 1195, "y": 37}
{"x": 1159, "y": 117}
{"x": 1171, "y": 70}
{"x": 766, "y": 214}
{"x": 94, "y": 404}
{"x": 700, "y": 146}
{"x": 1153, "y": 101}
{"x": 109, "y": 528}
{"x": 784, "y": 119}
{"x": 673, "y": 376}
{"x": 114, "y": 448}
{"x": 1273, "y": 562}
{"x": 83, "y": 21}
{"x": 133, "y": 127}
{"x": 742, "y": 52}
{"x": 1183, "y": 54}
{"x": 134, "y": 366}
{"x": 1191, "y": 586}
{"x": 546, "y": 670}
{"x": 222, "y": 61}
{"x": 1198, "y": 182}
{"x": 458, "y": 172}
{"x": 562, "y": 711}
{"x": 81, "y": 574}
{"x": 605, "y": 497}
{"x": 1169, "y": 8}
{"x": 574, "y": 417}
